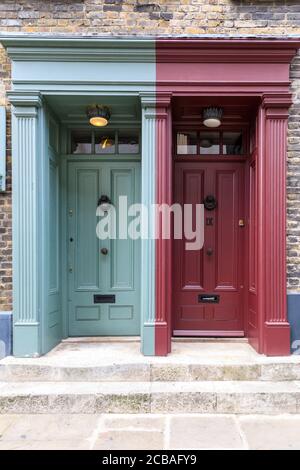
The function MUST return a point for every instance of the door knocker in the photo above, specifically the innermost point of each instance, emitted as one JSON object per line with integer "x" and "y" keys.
{"x": 104, "y": 203}
{"x": 210, "y": 203}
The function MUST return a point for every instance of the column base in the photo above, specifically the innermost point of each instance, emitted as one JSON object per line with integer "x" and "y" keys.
{"x": 26, "y": 340}
{"x": 277, "y": 339}
{"x": 155, "y": 339}
{"x": 148, "y": 339}
{"x": 162, "y": 343}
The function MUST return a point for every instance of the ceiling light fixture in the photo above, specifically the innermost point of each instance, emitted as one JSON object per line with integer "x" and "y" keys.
{"x": 98, "y": 115}
{"x": 212, "y": 117}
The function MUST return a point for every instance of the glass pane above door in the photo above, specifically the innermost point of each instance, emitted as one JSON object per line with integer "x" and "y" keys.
{"x": 233, "y": 143}
{"x": 209, "y": 143}
{"x": 186, "y": 143}
{"x": 128, "y": 142}
{"x": 81, "y": 142}
{"x": 105, "y": 143}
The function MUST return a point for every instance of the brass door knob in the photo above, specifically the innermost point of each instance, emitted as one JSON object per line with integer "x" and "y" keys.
{"x": 104, "y": 251}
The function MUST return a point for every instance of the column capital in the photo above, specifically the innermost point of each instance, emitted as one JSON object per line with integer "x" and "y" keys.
{"x": 29, "y": 99}
{"x": 155, "y": 99}
{"x": 277, "y": 105}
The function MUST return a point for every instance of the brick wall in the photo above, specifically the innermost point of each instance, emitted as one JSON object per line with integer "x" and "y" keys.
{"x": 159, "y": 17}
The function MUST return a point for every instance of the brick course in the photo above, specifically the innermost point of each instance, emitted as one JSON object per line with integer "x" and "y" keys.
{"x": 148, "y": 18}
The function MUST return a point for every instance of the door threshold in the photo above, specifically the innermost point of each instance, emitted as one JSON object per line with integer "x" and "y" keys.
{"x": 102, "y": 339}
{"x": 212, "y": 339}
{"x": 209, "y": 333}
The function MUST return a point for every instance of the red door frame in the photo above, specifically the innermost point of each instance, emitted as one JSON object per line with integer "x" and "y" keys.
{"x": 255, "y": 68}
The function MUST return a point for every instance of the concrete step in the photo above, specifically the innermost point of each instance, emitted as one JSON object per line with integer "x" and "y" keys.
{"x": 241, "y": 397}
{"x": 149, "y": 372}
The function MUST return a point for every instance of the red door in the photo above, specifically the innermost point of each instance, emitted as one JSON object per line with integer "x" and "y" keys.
{"x": 208, "y": 283}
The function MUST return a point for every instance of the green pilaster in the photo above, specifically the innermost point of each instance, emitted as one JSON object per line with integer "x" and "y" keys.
{"x": 27, "y": 275}
{"x": 148, "y": 221}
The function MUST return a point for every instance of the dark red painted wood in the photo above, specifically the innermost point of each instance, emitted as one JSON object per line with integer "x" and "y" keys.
{"x": 242, "y": 69}
{"x": 272, "y": 229}
{"x": 222, "y": 273}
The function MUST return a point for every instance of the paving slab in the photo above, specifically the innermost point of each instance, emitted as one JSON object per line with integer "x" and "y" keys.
{"x": 130, "y": 440}
{"x": 50, "y": 427}
{"x": 45, "y": 445}
{"x": 204, "y": 432}
{"x": 271, "y": 432}
{"x": 5, "y": 422}
{"x": 133, "y": 422}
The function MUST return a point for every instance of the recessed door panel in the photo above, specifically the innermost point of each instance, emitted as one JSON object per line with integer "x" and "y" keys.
{"x": 192, "y": 192}
{"x": 208, "y": 283}
{"x": 226, "y": 266}
{"x": 86, "y": 244}
{"x": 104, "y": 284}
{"x": 122, "y": 249}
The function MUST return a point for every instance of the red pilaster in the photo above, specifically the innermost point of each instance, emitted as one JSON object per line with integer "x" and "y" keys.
{"x": 163, "y": 276}
{"x": 275, "y": 338}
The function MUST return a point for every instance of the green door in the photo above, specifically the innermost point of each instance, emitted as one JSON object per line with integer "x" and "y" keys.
{"x": 92, "y": 273}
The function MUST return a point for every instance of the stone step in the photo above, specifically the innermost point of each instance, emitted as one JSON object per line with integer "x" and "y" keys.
{"x": 150, "y": 372}
{"x": 240, "y": 397}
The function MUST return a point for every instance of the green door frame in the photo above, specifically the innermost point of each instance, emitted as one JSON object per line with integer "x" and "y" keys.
{"x": 132, "y": 65}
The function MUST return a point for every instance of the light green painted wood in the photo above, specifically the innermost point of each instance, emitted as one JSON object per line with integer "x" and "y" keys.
{"x": 89, "y": 271}
{"x": 46, "y": 67}
{"x": 52, "y": 314}
{"x": 148, "y": 222}
{"x": 28, "y": 240}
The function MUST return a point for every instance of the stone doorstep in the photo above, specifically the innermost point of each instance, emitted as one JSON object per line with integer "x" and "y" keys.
{"x": 140, "y": 372}
{"x": 251, "y": 397}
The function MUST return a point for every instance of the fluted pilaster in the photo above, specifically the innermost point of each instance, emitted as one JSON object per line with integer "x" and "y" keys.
{"x": 148, "y": 244}
{"x": 156, "y": 254}
{"x": 26, "y": 179}
{"x": 272, "y": 228}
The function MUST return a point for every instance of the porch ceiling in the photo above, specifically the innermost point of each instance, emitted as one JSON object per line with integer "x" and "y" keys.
{"x": 236, "y": 108}
{"x": 72, "y": 109}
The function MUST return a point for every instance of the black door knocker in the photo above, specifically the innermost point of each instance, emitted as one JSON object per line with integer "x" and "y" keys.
{"x": 210, "y": 203}
{"x": 104, "y": 202}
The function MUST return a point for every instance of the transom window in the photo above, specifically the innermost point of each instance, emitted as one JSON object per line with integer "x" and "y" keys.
{"x": 105, "y": 142}
{"x": 209, "y": 143}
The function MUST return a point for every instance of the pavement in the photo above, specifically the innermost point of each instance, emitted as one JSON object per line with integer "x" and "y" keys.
{"x": 148, "y": 432}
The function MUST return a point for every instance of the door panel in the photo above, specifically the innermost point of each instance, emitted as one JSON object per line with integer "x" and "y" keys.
{"x": 122, "y": 250}
{"x": 86, "y": 264}
{"x": 217, "y": 269}
{"x": 91, "y": 272}
{"x": 226, "y": 229}
{"x": 192, "y": 192}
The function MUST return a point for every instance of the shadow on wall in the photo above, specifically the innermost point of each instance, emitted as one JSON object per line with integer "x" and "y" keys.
{"x": 294, "y": 320}
{"x": 5, "y": 334}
